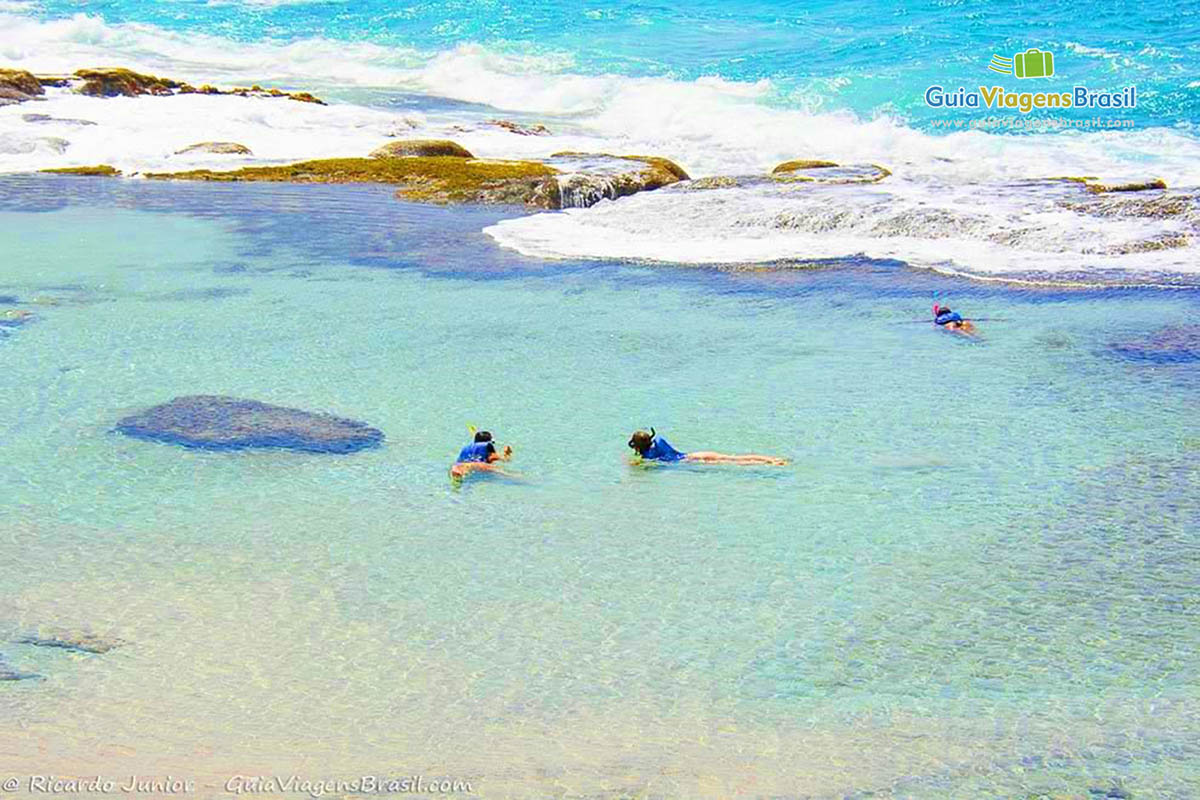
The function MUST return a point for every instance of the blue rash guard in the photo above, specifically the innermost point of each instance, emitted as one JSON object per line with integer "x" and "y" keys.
{"x": 476, "y": 452}
{"x": 661, "y": 450}
{"x": 946, "y": 317}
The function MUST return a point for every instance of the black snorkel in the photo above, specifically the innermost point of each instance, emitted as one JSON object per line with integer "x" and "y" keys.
{"x": 641, "y": 451}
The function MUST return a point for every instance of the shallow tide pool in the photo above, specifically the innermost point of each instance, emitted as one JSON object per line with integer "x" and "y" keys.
{"x": 977, "y": 577}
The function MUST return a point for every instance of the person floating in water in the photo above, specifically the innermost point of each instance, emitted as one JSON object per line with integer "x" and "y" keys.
{"x": 480, "y": 456}
{"x": 649, "y": 446}
{"x": 943, "y": 317}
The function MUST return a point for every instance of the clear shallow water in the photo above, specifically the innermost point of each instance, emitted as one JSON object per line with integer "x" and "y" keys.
{"x": 979, "y": 569}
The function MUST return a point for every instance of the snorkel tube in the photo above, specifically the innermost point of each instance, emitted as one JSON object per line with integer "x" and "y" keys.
{"x": 633, "y": 441}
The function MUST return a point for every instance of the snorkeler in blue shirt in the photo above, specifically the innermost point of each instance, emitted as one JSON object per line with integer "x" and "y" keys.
{"x": 649, "y": 446}
{"x": 949, "y": 320}
{"x": 480, "y": 455}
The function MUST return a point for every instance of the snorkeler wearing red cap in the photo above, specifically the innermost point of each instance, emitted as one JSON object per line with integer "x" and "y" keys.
{"x": 949, "y": 320}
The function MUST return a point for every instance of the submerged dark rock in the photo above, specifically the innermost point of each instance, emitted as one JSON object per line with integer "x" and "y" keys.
{"x": 10, "y": 673}
{"x": 11, "y": 318}
{"x": 1172, "y": 344}
{"x": 228, "y": 423}
{"x": 78, "y": 641}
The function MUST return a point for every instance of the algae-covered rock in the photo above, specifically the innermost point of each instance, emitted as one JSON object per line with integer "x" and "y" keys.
{"x": 102, "y": 170}
{"x": 792, "y": 166}
{"x": 77, "y": 640}
{"x": 421, "y": 147}
{"x": 305, "y": 97}
{"x": 1136, "y": 186}
{"x": 228, "y": 423}
{"x": 433, "y": 179}
{"x": 121, "y": 82}
{"x": 216, "y": 148}
{"x": 22, "y": 82}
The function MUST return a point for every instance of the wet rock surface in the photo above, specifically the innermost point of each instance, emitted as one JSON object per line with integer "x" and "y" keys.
{"x": 421, "y": 147}
{"x": 216, "y": 148}
{"x": 17, "y": 86}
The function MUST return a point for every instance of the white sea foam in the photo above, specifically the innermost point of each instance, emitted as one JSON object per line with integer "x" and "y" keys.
{"x": 1021, "y": 228}
{"x": 710, "y": 126}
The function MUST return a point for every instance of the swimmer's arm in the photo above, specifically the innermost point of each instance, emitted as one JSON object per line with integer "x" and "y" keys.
{"x": 505, "y": 456}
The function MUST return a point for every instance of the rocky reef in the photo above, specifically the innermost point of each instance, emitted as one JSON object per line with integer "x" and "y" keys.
{"x": 564, "y": 180}
{"x": 18, "y": 85}
{"x": 120, "y": 82}
{"x": 227, "y": 423}
{"x": 587, "y": 178}
{"x": 435, "y": 179}
{"x": 421, "y": 147}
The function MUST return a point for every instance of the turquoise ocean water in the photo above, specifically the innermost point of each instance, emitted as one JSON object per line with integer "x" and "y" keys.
{"x": 866, "y": 57}
{"x": 976, "y": 579}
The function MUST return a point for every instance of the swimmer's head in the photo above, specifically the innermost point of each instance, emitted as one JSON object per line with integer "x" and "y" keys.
{"x": 641, "y": 441}
{"x": 483, "y": 436}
